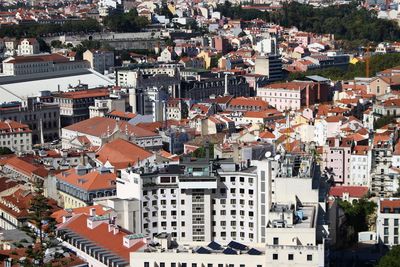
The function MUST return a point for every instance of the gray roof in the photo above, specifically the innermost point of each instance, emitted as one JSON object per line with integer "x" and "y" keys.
{"x": 317, "y": 78}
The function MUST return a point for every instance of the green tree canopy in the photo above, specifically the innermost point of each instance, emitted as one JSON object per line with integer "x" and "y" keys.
{"x": 126, "y": 22}
{"x": 391, "y": 259}
{"x": 5, "y": 151}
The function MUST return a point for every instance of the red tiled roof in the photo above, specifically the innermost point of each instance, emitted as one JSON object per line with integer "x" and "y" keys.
{"x": 99, "y": 126}
{"x": 391, "y": 204}
{"x": 249, "y": 102}
{"x": 25, "y": 167}
{"x": 38, "y": 58}
{"x": 82, "y": 210}
{"x": 84, "y": 93}
{"x": 353, "y": 191}
{"x": 262, "y": 114}
{"x": 266, "y": 134}
{"x": 9, "y": 126}
{"x": 121, "y": 114}
{"x": 101, "y": 236}
{"x": 93, "y": 180}
{"x": 121, "y": 153}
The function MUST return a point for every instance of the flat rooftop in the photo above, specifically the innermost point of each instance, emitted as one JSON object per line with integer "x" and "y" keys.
{"x": 18, "y": 88}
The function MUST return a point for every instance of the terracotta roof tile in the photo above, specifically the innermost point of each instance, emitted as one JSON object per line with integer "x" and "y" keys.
{"x": 121, "y": 153}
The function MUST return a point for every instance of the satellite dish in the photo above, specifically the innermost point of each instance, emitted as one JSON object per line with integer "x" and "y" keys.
{"x": 268, "y": 154}
{"x": 277, "y": 157}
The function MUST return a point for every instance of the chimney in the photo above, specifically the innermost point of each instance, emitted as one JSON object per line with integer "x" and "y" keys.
{"x": 65, "y": 218}
{"x": 116, "y": 230}
{"x": 92, "y": 212}
{"x": 110, "y": 227}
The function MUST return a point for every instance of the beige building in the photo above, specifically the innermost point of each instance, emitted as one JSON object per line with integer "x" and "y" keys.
{"x": 100, "y": 60}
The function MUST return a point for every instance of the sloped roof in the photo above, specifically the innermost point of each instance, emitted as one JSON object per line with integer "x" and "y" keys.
{"x": 120, "y": 153}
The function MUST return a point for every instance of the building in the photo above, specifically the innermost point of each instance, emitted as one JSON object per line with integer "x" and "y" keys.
{"x": 270, "y": 66}
{"x": 294, "y": 95}
{"x": 360, "y": 166}
{"x": 119, "y": 154}
{"x": 103, "y": 107}
{"x": 231, "y": 199}
{"x": 14, "y": 209}
{"x": 15, "y": 136}
{"x": 24, "y": 169}
{"x": 28, "y": 46}
{"x": 204, "y": 88}
{"x": 100, "y": 60}
{"x": 336, "y": 157}
{"x": 381, "y": 85}
{"x": 240, "y": 205}
{"x": 33, "y": 64}
{"x": 199, "y": 254}
{"x": 387, "y": 221}
{"x": 97, "y": 131}
{"x": 383, "y": 180}
{"x": 43, "y": 119}
{"x": 74, "y": 105}
{"x": 98, "y": 240}
{"x": 177, "y": 109}
{"x": 79, "y": 186}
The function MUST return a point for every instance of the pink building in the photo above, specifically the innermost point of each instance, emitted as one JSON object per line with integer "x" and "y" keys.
{"x": 336, "y": 159}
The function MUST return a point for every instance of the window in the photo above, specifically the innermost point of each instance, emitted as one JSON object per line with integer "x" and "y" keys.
{"x": 241, "y": 179}
{"x": 309, "y": 257}
{"x": 396, "y": 222}
{"x": 222, "y": 179}
{"x": 386, "y": 222}
{"x": 162, "y": 264}
{"x": 173, "y": 264}
{"x": 386, "y": 240}
{"x": 193, "y": 265}
{"x": 276, "y": 241}
{"x": 386, "y": 230}
{"x": 290, "y": 257}
{"x": 275, "y": 256}
{"x": 146, "y": 264}
{"x": 223, "y": 212}
{"x": 209, "y": 265}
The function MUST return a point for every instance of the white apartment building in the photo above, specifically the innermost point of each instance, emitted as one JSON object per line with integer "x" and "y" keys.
{"x": 387, "y": 222}
{"x": 15, "y": 136}
{"x": 360, "y": 166}
{"x": 28, "y": 46}
{"x": 203, "y": 201}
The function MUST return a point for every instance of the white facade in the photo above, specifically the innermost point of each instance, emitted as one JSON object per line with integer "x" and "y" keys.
{"x": 282, "y": 99}
{"x": 387, "y": 222}
{"x": 28, "y": 47}
{"x": 360, "y": 169}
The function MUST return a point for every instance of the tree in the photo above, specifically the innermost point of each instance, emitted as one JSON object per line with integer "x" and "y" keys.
{"x": 201, "y": 151}
{"x": 126, "y": 22}
{"x": 391, "y": 259}
{"x": 56, "y": 44}
{"x": 357, "y": 215}
{"x": 385, "y": 120}
{"x": 44, "y": 225}
{"x": 5, "y": 151}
